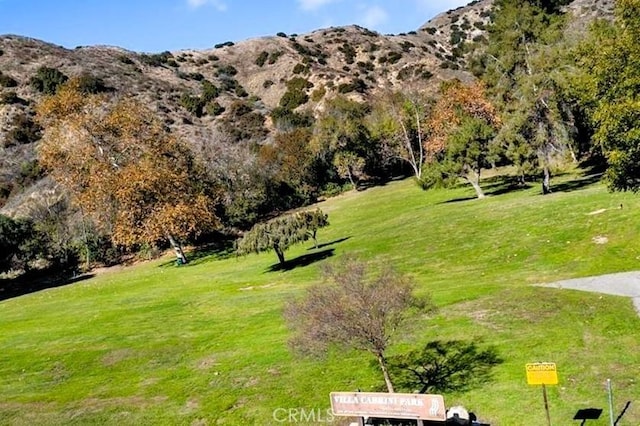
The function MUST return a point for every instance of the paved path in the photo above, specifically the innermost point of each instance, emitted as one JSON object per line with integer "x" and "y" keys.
{"x": 621, "y": 284}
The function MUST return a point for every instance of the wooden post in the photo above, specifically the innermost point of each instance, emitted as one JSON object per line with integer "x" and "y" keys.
{"x": 546, "y": 403}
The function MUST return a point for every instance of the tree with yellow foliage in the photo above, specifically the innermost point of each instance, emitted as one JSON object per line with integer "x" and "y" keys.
{"x": 462, "y": 125}
{"x": 124, "y": 170}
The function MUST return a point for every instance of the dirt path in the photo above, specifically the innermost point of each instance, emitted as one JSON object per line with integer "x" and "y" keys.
{"x": 620, "y": 284}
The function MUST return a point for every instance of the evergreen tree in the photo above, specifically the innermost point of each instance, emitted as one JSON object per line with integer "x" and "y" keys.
{"x": 611, "y": 92}
{"x": 522, "y": 63}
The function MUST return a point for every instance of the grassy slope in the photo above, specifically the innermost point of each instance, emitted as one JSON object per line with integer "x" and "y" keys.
{"x": 162, "y": 344}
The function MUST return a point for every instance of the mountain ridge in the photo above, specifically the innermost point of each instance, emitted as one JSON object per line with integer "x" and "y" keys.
{"x": 257, "y": 72}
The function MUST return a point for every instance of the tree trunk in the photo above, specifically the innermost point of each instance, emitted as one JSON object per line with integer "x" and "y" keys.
{"x": 315, "y": 240}
{"x": 180, "y": 256}
{"x": 385, "y": 372}
{"x": 87, "y": 249}
{"x": 546, "y": 181}
{"x": 353, "y": 183}
{"x": 279, "y": 253}
{"x": 475, "y": 182}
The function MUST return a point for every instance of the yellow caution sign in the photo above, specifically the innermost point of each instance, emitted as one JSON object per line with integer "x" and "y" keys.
{"x": 542, "y": 373}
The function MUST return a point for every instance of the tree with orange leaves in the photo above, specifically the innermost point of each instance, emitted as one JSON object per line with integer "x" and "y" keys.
{"x": 462, "y": 125}
{"x": 123, "y": 169}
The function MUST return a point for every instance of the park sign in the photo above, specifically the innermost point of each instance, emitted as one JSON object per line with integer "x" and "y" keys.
{"x": 389, "y": 405}
{"x": 542, "y": 373}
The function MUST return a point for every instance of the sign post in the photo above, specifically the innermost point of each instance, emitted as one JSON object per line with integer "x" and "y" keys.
{"x": 543, "y": 373}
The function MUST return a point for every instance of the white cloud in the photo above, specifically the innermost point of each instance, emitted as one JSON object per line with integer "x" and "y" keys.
{"x": 374, "y": 16}
{"x": 218, "y": 4}
{"x": 310, "y": 5}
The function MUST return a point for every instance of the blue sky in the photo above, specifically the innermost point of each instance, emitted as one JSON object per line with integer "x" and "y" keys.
{"x": 154, "y": 26}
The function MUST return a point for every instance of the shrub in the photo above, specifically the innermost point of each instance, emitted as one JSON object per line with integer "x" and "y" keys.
{"x": 213, "y": 58}
{"x": 242, "y": 123}
{"x": 7, "y": 80}
{"x": 267, "y": 84}
{"x": 228, "y": 84}
{"x": 430, "y": 30}
{"x": 157, "y": 59}
{"x": 209, "y": 91}
{"x": 262, "y": 58}
{"x": 23, "y": 130}
{"x": 195, "y": 76}
{"x": 457, "y": 37}
{"x": 299, "y": 83}
{"x": 273, "y": 57}
{"x": 293, "y": 99}
{"x": 9, "y": 98}
{"x": 90, "y": 84}
{"x": 214, "y": 109}
{"x": 394, "y": 57}
{"x": 318, "y": 94}
{"x": 228, "y": 70}
{"x": 125, "y": 59}
{"x": 281, "y": 34}
{"x": 47, "y": 80}
{"x": 348, "y": 51}
{"x": 283, "y": 117}
{"x": 345, "y": 88}
{"x": 406, "y": 46}
{"x": 193, "y": 104}
{"x": 300, "y": 68}
{"x": 366, "y": 66}
{"x": 241, "y": 91}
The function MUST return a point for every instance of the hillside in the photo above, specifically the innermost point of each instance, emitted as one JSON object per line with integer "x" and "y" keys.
{"x": 349, "y": 60}
{"x": 206, "y": 343}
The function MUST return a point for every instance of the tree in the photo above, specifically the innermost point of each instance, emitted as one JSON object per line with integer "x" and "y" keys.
{"x": 611, "y": 93}
{"x": 341, "y": 129}
{"x": 443, "y": 366}
{"x": 280, "y": 233}
{"x": 20, "y": 243}
{"x": 48, "y": 80}
{"x": 354, "y": 310}
{"x": 124, "y": 170}
{"x": 523, "y": 71}
{"x": 463, "y": 123}
{"x": 398, "y": 121}
{"x": 313, "y": 221}
{"x": 350, "y": 166}
{"x": 292, "y": 162}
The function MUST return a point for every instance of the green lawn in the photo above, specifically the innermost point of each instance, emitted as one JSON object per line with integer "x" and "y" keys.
{"x": 206, "y": 344}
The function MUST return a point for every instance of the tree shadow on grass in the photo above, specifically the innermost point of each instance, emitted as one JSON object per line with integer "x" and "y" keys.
{"x": 444, "y": 366}
{"x": 34, "y": 282}
{"x": 493, "y": 186}
{"x": 300, "y": 261}
{"x": 579, "y": 183}
{"x": 339, "y": 240}
{"x": 218, "y": 250}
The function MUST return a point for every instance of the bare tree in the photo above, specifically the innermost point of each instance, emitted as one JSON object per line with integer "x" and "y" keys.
{"x": 399, "y": 121}
{"x": 354, "y": 310}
